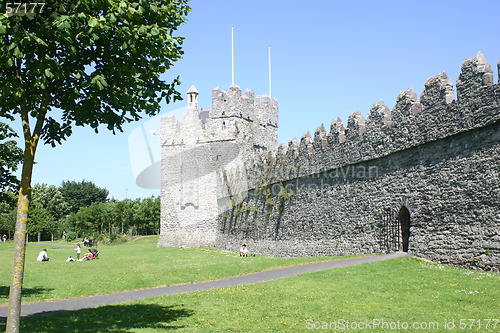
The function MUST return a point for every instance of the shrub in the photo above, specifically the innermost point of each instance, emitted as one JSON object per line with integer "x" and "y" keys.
{"x": 71, "y": 236}
{"x": 115, "y": 238}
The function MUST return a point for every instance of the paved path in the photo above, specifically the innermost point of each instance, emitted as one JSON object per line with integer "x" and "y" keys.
{"x": 272, "y": 274}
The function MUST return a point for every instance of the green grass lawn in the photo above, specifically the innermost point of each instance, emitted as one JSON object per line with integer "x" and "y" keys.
{"x": 405, "y": 291}
{"x": 127, "y": 266}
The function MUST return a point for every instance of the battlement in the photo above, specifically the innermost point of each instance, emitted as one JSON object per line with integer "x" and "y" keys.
{"x": 232, "y": 103}
{"x": 250, "y": 121}
{"x": 413, "y": 121}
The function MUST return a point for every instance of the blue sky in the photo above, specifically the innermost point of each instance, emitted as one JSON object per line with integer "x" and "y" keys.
{"x": 329, "y": 58}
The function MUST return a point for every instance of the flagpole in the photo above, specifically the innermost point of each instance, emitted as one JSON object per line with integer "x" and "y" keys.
{"x": 232, "y": 55}
{"x": 270, "y": 82}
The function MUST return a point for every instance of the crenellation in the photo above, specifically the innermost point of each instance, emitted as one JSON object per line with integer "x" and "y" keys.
{"x": 234, "y": 91}
{"x": 282, "y": 149}
{"x": 306, "y": 143}
{"x": 292, "y": 154}
{"x": 281, "y": 158}
{"x": 337, "y": 132}
{"x": 274, "y": 114}
{"x": 356, "y": 127}
{"x": 293, "y": 147}
{"x": 263, "y": 102}
{"x": 320, "y": 139}
{"x": 404, "y": 114}
{"x": 377, "y": 136}
{"x": 219, "y": 97}
{"x": 438, "y": 92}
{"x": 379, "y": 116}
{"x": 476, "y": 74}
{"x": 307, "y": 154}
{"x": 383, "y": 132}
{"x": 250, "y": 95}
{"x": 407, "y": 106}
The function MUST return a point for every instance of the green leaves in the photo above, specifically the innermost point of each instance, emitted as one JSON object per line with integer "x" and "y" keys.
{"x": 139, "y": 216}
{"x": 48, "y": 73}
{"x": 99, "y": 81}
{"x": 83, "y": 60}
{"x": 93, "y": 22}
{"x": 10, "y": 157}
{"x": 82, "y": 194}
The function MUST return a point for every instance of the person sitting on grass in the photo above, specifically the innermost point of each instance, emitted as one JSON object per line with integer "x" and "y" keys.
{"x": 94, "y": 252}
{"x": 70, "y": 258}
{"x": 244, "y": 251}
{"x": 89, "y": 256}
{"x": 42, "y": 256}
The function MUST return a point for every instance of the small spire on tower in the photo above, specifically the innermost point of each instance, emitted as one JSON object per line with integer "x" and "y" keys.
{"x": 192, "y": 98}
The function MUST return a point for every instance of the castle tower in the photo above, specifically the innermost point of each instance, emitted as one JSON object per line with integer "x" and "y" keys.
{"x": 192, "y": 98}
{"x": 196, "y": 150}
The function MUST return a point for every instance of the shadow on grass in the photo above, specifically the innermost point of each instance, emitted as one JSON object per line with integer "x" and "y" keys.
{"x": 111, "y": 318}
{"x": 27, "y": 292}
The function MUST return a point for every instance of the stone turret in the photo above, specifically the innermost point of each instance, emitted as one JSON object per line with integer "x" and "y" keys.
{"x": 192, "y": 98}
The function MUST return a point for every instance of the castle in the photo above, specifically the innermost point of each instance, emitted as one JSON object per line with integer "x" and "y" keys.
{"x": 420, "y": 178}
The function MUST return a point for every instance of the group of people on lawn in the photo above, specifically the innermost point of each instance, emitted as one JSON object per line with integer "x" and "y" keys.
{"x": 90, "y": 255}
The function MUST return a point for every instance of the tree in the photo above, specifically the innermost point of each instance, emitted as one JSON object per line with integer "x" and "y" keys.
{"x": 148, "y": 216}
{"x": 10, "y": 156}
{"x": 50, "y": 198}
{"x": 50, "y": 210}
{"x": 139, "y": 216}
{"x": 41, "y": 221}
{"x": 84, "y": 222}
{"x": 78, "y": 63}
{"x": 82, "y": 194}
{"x": 125, "y": 212}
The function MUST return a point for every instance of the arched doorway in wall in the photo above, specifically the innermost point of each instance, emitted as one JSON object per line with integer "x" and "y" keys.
{"x": 404, "y": 222}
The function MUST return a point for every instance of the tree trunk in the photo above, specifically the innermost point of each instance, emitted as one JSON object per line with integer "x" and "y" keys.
{"x": 14, "y": 314}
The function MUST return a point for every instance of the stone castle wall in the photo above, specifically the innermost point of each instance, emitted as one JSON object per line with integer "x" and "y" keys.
{"x": 431, "y": 162}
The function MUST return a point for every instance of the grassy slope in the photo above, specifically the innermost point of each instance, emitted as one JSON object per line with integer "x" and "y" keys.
{"x": 405, "y": 290}
{"x": 128, "y": 266}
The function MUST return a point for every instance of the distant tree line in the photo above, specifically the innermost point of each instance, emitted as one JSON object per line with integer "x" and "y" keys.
{"x": 81, "y": 209}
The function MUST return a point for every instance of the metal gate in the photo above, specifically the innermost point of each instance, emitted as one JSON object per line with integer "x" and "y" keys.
{"x": 390, "y": 231}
